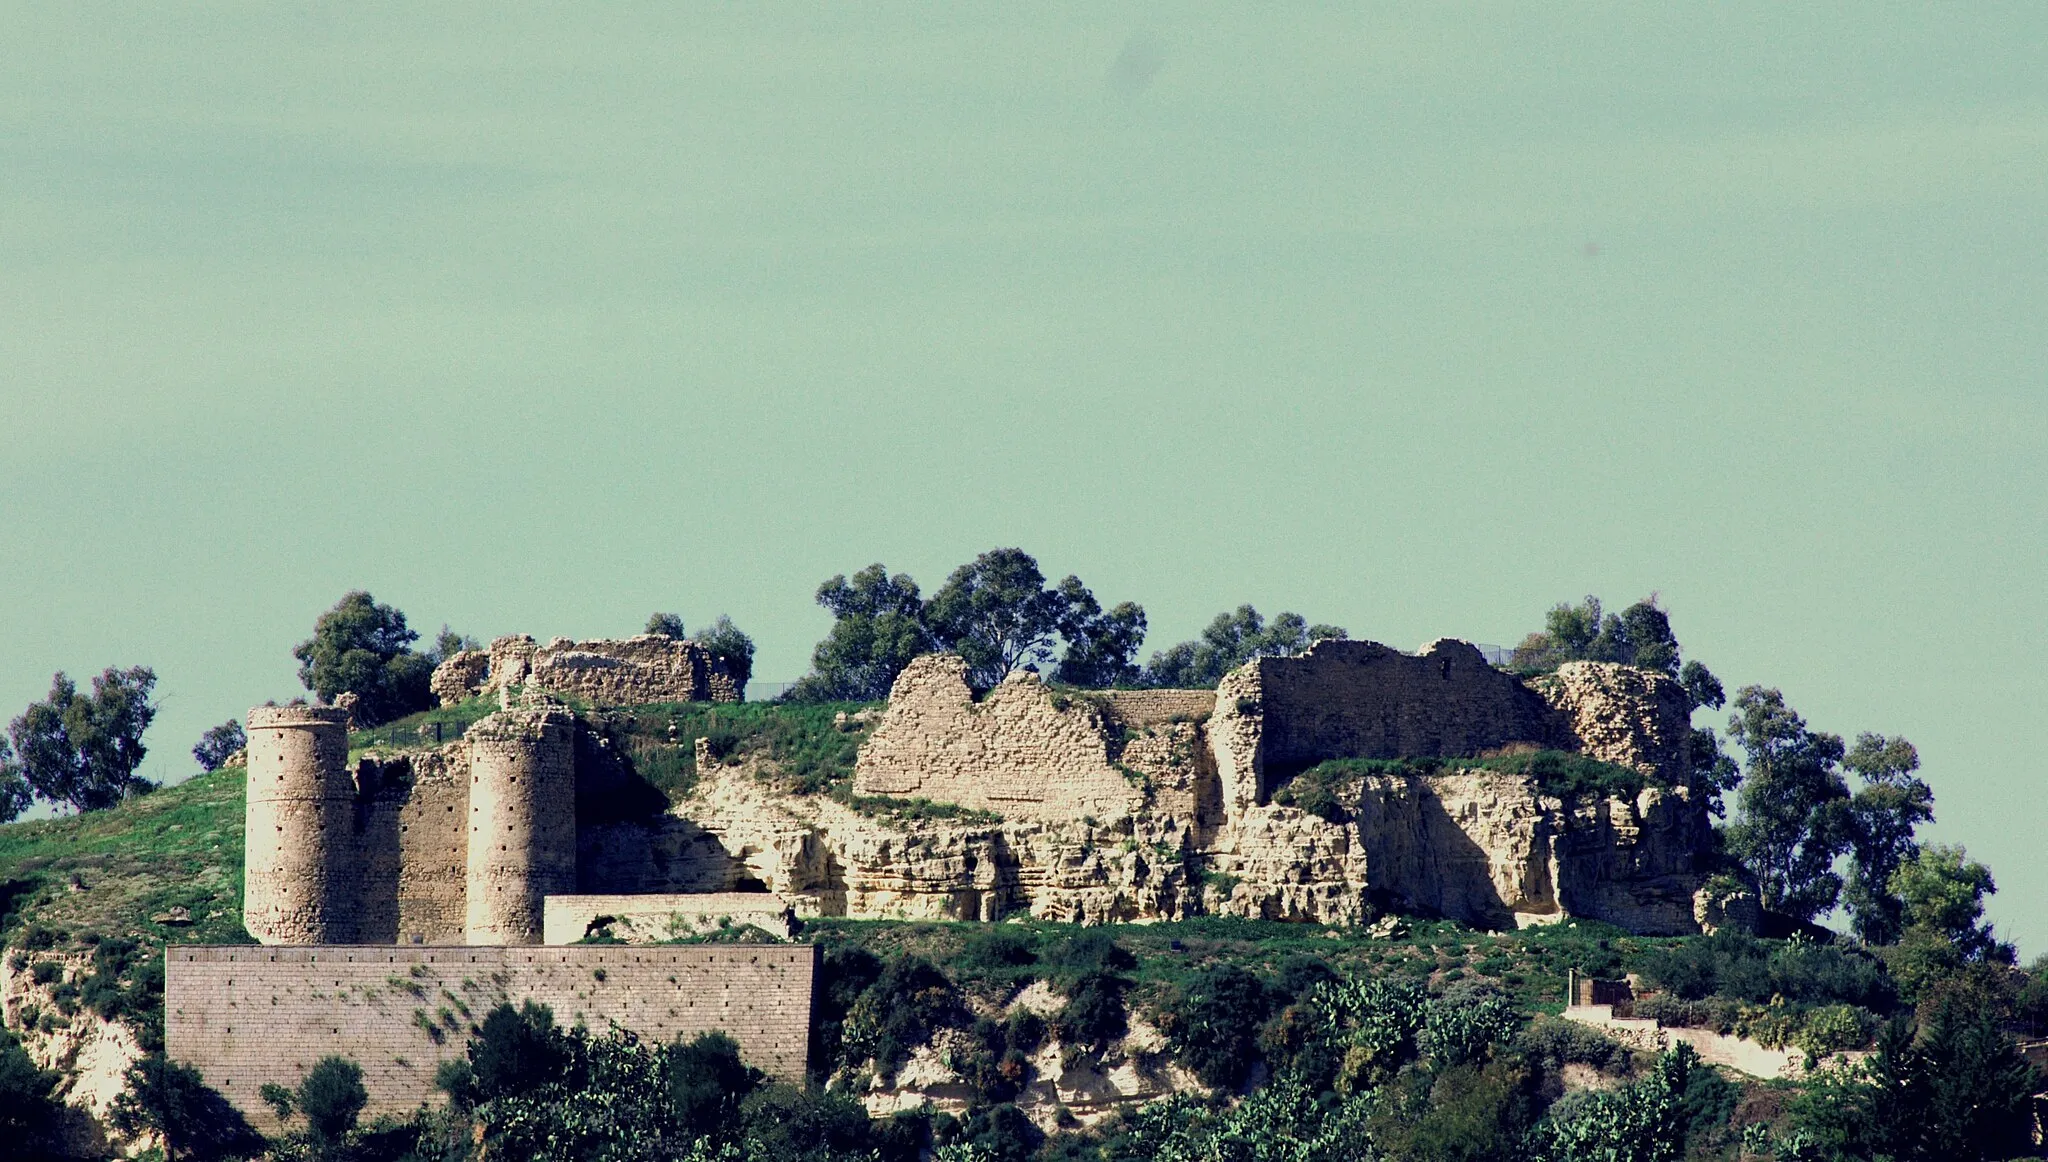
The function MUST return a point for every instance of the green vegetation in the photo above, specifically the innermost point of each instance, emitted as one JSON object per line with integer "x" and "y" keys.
{"x": 362, "y": 648}
{"x": 76, "y": 749}
{"x": 423, "y": 729}
{"x": 1230, "y": 640}
{"x": 996, "y": 612}
{"x": 1329, "y": 789}
{"x": 810, "y": 750}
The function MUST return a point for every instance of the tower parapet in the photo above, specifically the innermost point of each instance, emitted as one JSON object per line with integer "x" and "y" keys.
{"x": 522, "y": 823}
{"x": 300, "y": 815}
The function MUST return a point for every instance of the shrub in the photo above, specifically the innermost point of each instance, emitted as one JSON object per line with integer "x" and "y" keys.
{"x": 900, "y": 1011}
{"x": 173, "y": 1100}
{"x": 1094, "y": 1013}
{"x": 1214, "y": 1024}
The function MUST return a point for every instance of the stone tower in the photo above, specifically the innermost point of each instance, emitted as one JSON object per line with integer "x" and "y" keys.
{"x": 522, "y": 822}
{"x": 300, "y": 827}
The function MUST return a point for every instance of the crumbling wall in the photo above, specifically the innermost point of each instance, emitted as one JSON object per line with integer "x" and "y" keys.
{"x": 246, "y": 1016}
{"x": 650, "y": 919}
{"x": 1360, "y": 699}
{"x": 1021, "y": 750}
{"x": 460, "y": 676}
{"x": 1620, "y": 714}
{"x": 611, "y": 671}
{"x": 433, "y": 845}
{"x": 302, "y": 875}
{"x": 1138, "y": 708}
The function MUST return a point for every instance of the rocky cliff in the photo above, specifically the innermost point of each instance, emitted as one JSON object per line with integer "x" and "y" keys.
{"x": 1072, "y": 806}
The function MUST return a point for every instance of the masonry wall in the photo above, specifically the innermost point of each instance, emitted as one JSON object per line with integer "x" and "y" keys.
{"x": 1159, "y": 707}
{"x": 1359, "y": 699}
{"x": 522, "y": 823}
{"x": 1021, "y": 750}
{"x": 433, "y": 848}
{"x": 652, "y": 918}
{"x": 605, "y": 672}
{"x": 302, "y": 870}
{"x": 244, "y": 1016}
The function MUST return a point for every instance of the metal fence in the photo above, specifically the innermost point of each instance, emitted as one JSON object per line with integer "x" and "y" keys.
{"x": 422, "y": 734}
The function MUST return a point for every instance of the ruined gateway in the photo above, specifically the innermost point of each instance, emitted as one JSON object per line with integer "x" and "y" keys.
{"x": 1088, "y": 806}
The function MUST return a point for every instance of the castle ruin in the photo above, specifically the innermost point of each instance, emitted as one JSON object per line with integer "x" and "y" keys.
{"x": 503, "y": 846}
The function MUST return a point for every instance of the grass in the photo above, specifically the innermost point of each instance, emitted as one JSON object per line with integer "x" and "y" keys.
{"x": 93, "y": 881}
{"x": 810, "y": 752}
{"x": 416, "y": 731}
{"x": 911, "y": 810}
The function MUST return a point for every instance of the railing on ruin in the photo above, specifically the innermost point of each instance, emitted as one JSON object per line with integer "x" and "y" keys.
{"x": 405, "y": 735}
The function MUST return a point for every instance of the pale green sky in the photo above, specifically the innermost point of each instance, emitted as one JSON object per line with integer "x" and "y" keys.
{"x": 1413, "y": 319}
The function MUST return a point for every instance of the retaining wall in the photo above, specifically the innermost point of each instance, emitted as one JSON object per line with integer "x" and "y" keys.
{"x": 248, "y": 1015}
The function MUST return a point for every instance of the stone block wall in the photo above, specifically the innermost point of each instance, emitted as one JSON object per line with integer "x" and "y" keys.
{"x": 303, "y": 865}
{"x": 646, "y": 919}
{"x": 1360, "y": 699}
{"x": 244, "y": 1016}
{"x": 1021, "y": 750}
{"x": 605, "y": 672}
{"x": 1136, "y": 708}
{"x": 1620, "y": 714}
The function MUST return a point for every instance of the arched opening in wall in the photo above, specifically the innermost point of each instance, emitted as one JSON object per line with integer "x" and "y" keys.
{"x": 749, "y": 884}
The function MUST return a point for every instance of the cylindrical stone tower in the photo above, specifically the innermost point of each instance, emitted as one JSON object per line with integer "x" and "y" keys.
{"x": 300, "y": 827}
{"x": 522, "y": 822}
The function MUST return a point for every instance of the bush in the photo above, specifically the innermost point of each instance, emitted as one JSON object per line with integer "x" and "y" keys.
{"x": 332, "y": 1096}
{"x": 1746, "y": 968}
{"x": 1214, "y": 1024}
{"x": 1094, "y": 1013}
{"x": 28, "y": 1114}
{"x": 173, "y": 1100}
{"x": 900, "y": 1011}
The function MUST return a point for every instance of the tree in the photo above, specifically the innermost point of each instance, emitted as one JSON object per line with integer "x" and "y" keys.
{"x": 1102, "y": 647}
{"x": 1638, "y": 636}
{"x": 448, "y": 643}
{"x": 28, "y": 1112}
{"x": 724, "y": 641}
{"x": 173, "y": 1100}
{"x": 1941, "y": 890}
{"x": 1883, "y": 816}
{"x": 668, "y": 625}
{"x": 363, "y": 648}
{"x": 1957, "y": 1092}
{"x": 332, "y": 1097}
{"x": 1230, "y": 640}
{"x": 877, "y": 628}
{"x": 996, "y": 612}
{"x": 218, "y": 744}
{"x": 1794, "y": 804}
{"x": 83, "y": 750}
{"x": 15, "y": 795}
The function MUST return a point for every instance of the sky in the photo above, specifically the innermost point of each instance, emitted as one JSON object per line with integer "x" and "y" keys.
{"x": 1413, "y": 318}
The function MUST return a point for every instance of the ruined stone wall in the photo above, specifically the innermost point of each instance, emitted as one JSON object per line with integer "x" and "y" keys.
{"x": 460, "y": 677}
{"x": 433, "y": 845}
{"x": 522, "y": 822}
{"x": 302, "y": 871}
{"x": 245, "y": 1016}
{"x": 1620, "y": 714}
{"x": 1137, "y": 708}
{"x": 649, "y": 919}
{"x": 1021, "y": 750}
{"x": 1359, "y": 699}
{"x": 607, "y": 672}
